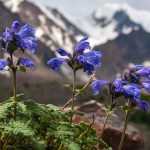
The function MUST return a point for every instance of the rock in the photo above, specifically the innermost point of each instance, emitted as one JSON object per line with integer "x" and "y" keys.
{"x": 112, "y": 133}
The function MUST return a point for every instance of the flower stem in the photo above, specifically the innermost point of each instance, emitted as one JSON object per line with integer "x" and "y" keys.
{"x": 60, "y": 146}
{"x": 124, "y": 130}
{"x": 105, "y": 122}
{"x": 13, "y": 68}
{"x": 73, "y": 94}
{"x": 14, "y": 92}
{"x": 80, "y": 91}
{"x": 108, "y": 114}
{"x": 90, "y": 126}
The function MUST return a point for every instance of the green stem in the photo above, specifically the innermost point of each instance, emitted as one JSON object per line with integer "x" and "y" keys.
{"x": 80, "y": 91}
{"x": 88, "y": 129}
{"x": 13, "y": 68}
{"x": 124, "y": 130}
{"x": 73, "y": 94}
{"x": 60, "y": 146}
{"x": 14, "y": 92}
{"x": 108, "y": 113}
{"x": 105, "y": 122}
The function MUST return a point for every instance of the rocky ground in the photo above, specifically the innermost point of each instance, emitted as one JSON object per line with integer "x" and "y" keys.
{"x": 112, "y": 133}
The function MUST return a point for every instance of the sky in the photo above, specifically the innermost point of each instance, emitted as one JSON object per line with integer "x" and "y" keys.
{"x": 79, "y": 7}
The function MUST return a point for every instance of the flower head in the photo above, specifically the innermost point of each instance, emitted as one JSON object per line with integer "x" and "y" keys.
{"x": 26, "y": 62}
{"x": 129, "y": 85}
{"x": 82, "y": 45}
{"x": 97, "y": 85}
{"x": 144, "y": 105}
{"x": 15, "y": 26}
{"x": 146, "y": 85}
{"x": 144, "y": 71}
{"x": 89, "y": 60}
{"x": 7, "y": 35}
{"x": 3, "y": 64}
{"x": 117, "y": 85}
{"x": 19, "y": 37}
{"x": 62, "y": 52}
{"x": 131, "y": 91}
{"x": 55, "y": 63}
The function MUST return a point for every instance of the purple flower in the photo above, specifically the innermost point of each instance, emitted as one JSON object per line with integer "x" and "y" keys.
{"x": 62, "y": 52}
{"x": 93, "y": 57}
{"x": 7, "y": 35}
{"x": 144, "y": 72}
{"x": 144, "y": 105}
{"x": 26, "y": 62}
{"x": 90, "y": 61}
{"x": 131, "y": 91}
{"x": 97, "y": 85}
{"x": 81, "y": 59}
{"x": 88, "y": 68}
{"x": 146, "y": 85}
{"x": 26, "y": 38}
{"x": 55, "y": 63}
{"x": 118, "y": 85}
{"x": 15, "y": 26}
{"x": 3, "y": 64}
{"x": 138, "y": 67}
{"x": 82, "y": 45}
{"x": 19, "y": 37}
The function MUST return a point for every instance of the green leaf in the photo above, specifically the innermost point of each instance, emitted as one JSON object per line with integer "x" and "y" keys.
{"x": 145, "y": 96}
{"x": 21, "y": 68}
{"x": 39, "y": 126}
{"x": 74, "y": 146}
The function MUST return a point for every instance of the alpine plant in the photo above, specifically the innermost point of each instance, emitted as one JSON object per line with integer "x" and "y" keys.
{"x": 83, "y": 58}
{"x": 15, "y": 38}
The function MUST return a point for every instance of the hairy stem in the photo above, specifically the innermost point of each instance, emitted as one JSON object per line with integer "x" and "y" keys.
{"x": 13, "y": 68}
{"x": 108, "y": 114}
{"x": 80, "y": 91}
{"x": 73, "y": 94}
{"x": 105, "y": 122}
{"x": 124, "y": 130}
{"x": 14, "y": 92}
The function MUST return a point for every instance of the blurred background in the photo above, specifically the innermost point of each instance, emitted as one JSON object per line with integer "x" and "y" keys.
{"x": 119, "y": 28}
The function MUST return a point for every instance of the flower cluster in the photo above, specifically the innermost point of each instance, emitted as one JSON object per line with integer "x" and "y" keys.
{"x": 18, "y": 37}
{"x": 83, "y": 57}
{"x": 130, "y": 85}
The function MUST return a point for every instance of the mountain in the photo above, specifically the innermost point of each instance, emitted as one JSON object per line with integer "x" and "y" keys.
{"x": 125, "y": 49}
{"x": 130, "y": 43}
{"x": 116, "y": 32}
{"x": 111, "y": 19}
{"x": 122, "y": 21}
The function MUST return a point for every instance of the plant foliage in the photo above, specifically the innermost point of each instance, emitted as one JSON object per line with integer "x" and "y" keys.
{"x": 42, "y": 127}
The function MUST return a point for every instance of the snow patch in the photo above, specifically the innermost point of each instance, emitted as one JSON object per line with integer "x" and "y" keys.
{"x": 39, "y": 32}
{"x": 48, "y": 13}
{"x": 127, "y": 30}
{"x": 146, "y": 63}
{"x": 138, "y": 16}
{"x": 12, "y": 4}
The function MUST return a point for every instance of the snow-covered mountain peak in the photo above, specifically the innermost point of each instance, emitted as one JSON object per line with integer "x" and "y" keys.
{"x": 111, "y": 10}
{"x": 112, "y": 19}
